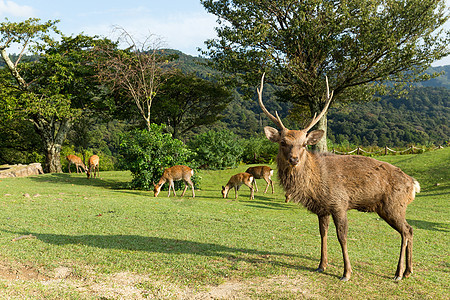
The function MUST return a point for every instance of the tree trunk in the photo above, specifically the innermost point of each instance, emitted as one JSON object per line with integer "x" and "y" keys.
{"x": 322, "y": 146}
{"x": 52, "y": 159}
{"x": 53, "y": 133}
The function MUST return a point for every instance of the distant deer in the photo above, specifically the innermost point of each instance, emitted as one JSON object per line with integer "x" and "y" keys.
{"x": 236, "y": 181}
{"x": 93, "y": 164}
{"x": 262, "y": 172}
{"x": 328, "y": 184}
{"x": 176, "y": 173}
{"x": 73, "y": 159}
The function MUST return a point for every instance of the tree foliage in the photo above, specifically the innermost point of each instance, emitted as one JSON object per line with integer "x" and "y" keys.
{"x": 217, "y": 149}
{"x": 359, "y": 45}
{"x": 51, "y": 91}
{"x": 186, "y": 101}
{"x": 146, "y": 153}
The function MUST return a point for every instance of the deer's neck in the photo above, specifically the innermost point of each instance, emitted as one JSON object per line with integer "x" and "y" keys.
{"x": 302, "y": 181}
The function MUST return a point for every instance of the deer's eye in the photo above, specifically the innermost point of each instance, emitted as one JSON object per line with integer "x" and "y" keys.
{"x": 283, "y": 143}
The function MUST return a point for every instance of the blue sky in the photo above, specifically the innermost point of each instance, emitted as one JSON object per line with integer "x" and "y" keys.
{"x": 182, "y": 24}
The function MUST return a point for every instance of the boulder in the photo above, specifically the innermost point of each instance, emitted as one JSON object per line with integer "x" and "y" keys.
{"x": 20, "y": 170}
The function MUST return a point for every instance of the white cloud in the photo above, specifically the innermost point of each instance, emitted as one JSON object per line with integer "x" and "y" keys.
{"x": 12, "y": 9}
{"x": 185, "y": 32}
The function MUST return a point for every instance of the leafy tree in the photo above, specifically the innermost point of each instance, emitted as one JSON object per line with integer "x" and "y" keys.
{"x": 51, "y": 91}
{"x": 185, "y": 102}
{"x": 359, "y": 45}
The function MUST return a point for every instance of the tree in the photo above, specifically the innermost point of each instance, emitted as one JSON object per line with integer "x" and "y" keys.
{"x": 52, "y": 91}
{"x": 359, "y": 45}
{"x": 136, "y": 72}
{"x": 186, "y": 101}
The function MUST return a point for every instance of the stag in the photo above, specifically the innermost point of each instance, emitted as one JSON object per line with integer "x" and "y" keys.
{"x": 328, "y": 184}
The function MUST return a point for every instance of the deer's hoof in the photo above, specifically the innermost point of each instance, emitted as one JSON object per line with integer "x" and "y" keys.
{"x": 320, "y": 270}
{"x": 398, "y": 278}
{"x": 344, "y": 279}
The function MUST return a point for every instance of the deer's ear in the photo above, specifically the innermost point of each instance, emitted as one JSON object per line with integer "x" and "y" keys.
{"x": 272, "y": 134}
{"x": 314, "y": 136}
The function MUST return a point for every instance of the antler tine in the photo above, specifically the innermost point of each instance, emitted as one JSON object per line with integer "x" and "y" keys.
{"x": 324, "y": 110}
{"x": 276, "y": 119}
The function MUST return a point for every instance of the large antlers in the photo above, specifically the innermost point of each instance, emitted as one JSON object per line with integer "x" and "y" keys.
{"x": 324, "y": 110}
{"x": 277, "y": 119}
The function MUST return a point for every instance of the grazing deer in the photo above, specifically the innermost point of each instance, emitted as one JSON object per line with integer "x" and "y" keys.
{"x": 328, "y": 184}
{"x": 236, "y": 181}
{"x": 263, "y": 172}
{"x": 93, "y": 164}
{"x": 73, "y": 159}
{"x": 176, "y": 173}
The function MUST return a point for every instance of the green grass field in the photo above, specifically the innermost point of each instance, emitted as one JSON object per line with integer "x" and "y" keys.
{"x": 94, "y": 239}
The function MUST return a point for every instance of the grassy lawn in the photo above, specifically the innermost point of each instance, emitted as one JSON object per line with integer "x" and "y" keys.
{"x": 94, "y": 239}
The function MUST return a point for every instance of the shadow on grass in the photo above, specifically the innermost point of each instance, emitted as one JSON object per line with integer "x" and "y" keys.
{"x": 433, "y": 226}
{"x": 166, "y": 245}
{"x": 65, "y": 178}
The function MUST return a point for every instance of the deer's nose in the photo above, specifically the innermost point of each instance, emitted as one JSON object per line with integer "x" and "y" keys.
{"x": 293, "y": 160}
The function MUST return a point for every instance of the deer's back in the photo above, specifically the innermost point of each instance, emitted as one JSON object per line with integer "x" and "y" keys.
{"x": 365, "y": 183}
{"x": 329, "y": 182}
{"x": 178, "y": 172}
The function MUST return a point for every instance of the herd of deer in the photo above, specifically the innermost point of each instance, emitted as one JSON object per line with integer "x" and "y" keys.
{"x": 93, "y": 164}
{"x": 326, "y": 184}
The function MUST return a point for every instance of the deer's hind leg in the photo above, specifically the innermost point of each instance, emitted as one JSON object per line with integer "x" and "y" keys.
{"x": 396, "y": 219}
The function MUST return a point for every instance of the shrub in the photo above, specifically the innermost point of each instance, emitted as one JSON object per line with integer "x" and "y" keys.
{"x": 147, "y": 153}
{"x": 217, "y": 149}
{"x": 259, "y": 150}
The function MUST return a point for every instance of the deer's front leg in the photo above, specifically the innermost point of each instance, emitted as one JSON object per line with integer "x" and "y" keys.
{"x": 340, "y": 220}
{"x": 324, "y": 221}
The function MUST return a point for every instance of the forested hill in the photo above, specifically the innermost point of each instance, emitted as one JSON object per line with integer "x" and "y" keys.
{"x": 420, "y": 117}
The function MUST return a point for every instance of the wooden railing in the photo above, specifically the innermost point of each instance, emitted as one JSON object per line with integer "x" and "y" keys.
{"x": 386, "y": 150}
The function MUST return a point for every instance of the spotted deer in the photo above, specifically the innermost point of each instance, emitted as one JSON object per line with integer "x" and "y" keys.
{"x": 330, "y": 185}
{"x": 236, "y": 181}
{"x": 176, "y": 173}
{"x": 75, "y": 160}
{"x": 262, "y": 172}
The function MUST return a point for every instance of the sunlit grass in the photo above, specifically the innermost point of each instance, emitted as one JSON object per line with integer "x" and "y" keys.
{"x": 97, "y": 228}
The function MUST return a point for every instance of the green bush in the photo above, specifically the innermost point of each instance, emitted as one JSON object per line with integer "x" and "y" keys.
{"x": 259, "y": 150}
{"x": 217, "y": 149}
{"x": 147, "y": 153}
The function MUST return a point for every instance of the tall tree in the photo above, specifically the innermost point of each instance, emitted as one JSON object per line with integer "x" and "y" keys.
{"x": 186, "y": 101}
{"x": 52, "y": 91}
{"x": 136, "y": 72}
{"x": 359, "y": 45}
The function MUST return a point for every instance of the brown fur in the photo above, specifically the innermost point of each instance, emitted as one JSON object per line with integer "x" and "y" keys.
{"x": 331, "y": 185}
{"x": 73, "y": 159}
{"x": 328, "y": 184}
{"x": 262, "y": 172}
{"x": 94, "y": 164}
{"x": 236, "y": 181}
{"x": 176, "y": 173}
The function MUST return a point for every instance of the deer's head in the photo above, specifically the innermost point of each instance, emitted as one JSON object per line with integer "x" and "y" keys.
{"x": 292, "y": 142}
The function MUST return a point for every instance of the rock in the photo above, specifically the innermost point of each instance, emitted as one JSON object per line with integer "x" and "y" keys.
{"x": 20, "y": 170}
